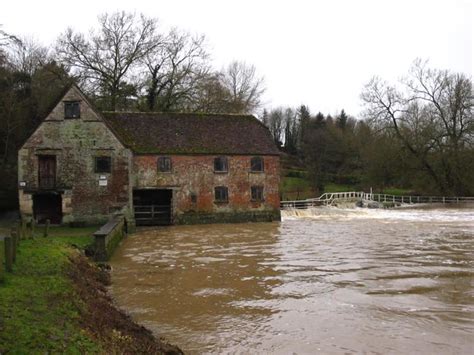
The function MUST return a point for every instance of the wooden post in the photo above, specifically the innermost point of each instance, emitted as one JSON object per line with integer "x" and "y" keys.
{"x": 8, "y": 254}
{"x": 32, "y": 227}
{"x": 46, "y": 228}
{"x": 14, "y": 237}
{"x": 2, "y": 258}
{"x": 23, "y": 229}
{"x": 18, "y": 233}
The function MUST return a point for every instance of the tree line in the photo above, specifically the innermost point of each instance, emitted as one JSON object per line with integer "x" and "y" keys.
{"x": 417, "y": 134}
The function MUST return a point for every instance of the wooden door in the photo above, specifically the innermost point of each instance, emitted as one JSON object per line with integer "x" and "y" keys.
{"x": 47, "y": 171}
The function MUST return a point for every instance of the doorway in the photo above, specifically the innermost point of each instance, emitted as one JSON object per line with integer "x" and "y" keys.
{"x": 47, "y": 206}
{"x": 153, "y": 207}
{"x": 47, "y": 172}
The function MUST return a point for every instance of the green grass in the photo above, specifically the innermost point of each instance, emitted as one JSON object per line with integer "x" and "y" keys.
{"x": 39, "y": 312}
{"x": 295, "y": 188}
{"x": 396, "y": 191}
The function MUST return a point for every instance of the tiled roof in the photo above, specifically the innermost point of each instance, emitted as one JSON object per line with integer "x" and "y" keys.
{"x": 191, "y": 133}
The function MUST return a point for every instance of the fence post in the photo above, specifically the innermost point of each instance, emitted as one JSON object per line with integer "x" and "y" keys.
{"x": 33, "y": 226}
{"x": 23, "y": 229}
{"x": 2, "y": 258}
{"x": 14, "y": 237}
{"x": 18, "y": 233}
{"x": 8, "y": 253}
{"x": 46, "y": 228}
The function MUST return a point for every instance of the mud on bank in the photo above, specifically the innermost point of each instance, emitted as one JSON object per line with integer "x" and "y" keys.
{"x": 56, "y": 301}
{"x": 111, "y": 327}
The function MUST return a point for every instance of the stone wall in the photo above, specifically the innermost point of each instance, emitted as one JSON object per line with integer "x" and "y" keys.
{"x": 75, "y": 143}
{"x": 194, "y": 175}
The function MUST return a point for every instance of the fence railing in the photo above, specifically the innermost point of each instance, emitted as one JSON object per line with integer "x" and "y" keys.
{"x": 330, "y": 197}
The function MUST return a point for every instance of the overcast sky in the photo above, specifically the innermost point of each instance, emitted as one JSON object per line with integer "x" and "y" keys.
{"x": 318, "y": 53}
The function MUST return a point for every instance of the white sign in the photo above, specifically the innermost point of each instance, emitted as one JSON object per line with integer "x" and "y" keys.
{"x": 102, "y": 182}
{"x": 22, "y": 183}
{"x": 102, "y": 177}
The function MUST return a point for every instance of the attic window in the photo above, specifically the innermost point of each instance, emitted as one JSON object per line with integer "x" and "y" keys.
{"x": 103, "y": 165}
{"x": 256, "y": 164}
{"x": 164, "y": 164}
{"x": 72, "y": 109}
{"x": 220, "y": 165}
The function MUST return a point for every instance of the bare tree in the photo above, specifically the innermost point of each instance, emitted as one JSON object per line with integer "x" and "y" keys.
{"x": 175, "y": 70}
{"x": 26, "y": 55}
{"x": 275, "y": 121}
{"x": 431, "y": 114}
{"x": 104, "y": 59}
{"x": 6, "y": 38}
{"x": 243, "y": 86}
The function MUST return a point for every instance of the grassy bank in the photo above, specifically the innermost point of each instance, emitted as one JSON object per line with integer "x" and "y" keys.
{"x": 55, "y": 301}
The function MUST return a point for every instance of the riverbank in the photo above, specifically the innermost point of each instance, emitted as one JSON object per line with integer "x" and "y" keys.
{"x": 56, "y": 301}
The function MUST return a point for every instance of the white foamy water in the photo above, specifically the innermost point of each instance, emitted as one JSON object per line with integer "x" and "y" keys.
{"x": 438, "y": 214}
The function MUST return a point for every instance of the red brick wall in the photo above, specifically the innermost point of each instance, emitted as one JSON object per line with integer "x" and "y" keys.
{"x": 195, "y": 174}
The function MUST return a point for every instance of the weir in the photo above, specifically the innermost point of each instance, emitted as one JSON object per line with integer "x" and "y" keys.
{"x": 328, "y": 199}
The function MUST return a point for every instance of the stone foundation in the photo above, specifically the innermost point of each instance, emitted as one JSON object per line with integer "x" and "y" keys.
{"x": 229, "y": 217}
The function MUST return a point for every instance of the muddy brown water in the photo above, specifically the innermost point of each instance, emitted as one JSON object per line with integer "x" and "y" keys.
{"x": 327, "y": 280}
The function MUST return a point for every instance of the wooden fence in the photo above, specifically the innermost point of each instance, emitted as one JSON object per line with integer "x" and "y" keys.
{"x": 10, "y": 243}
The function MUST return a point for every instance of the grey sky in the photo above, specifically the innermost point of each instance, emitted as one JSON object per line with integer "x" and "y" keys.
{"x": 318, "y": 53}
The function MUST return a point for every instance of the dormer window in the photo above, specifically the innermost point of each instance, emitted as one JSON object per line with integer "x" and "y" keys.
{"x": 72, "y": 109}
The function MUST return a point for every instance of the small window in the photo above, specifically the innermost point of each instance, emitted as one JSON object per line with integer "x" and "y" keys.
{"x": 72, "y": 109}
{"x": 256, "y": 164}
{"x": 103, "y": 165}
{"x": 164, "y": 164}
{"x": 193, "y": 197}
{"x": 221, "y": 194}
{"x": 257, "y": 193}
{"x": 220, "y": 165}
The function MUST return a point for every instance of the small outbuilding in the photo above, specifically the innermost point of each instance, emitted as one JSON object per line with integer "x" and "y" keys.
{"x": 82, "y": 166}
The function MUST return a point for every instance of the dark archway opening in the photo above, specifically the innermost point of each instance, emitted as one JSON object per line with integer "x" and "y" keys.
{"x": 47, "y": 206}
{"x": 153, "y": 207}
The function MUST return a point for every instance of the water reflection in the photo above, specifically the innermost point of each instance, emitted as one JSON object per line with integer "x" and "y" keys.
{"x": 337, "y": 281}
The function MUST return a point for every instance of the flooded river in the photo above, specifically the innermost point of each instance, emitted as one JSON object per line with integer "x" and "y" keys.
{"x": 327, "y": 280}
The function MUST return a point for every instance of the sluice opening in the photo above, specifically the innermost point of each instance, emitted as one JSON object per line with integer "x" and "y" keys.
{"x": 153, "y": 207}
